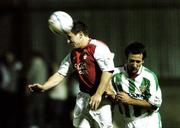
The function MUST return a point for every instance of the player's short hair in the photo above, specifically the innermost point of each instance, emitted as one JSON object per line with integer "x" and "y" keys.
{"x": 135, "y": 48}
{"x": 79, "y": 26}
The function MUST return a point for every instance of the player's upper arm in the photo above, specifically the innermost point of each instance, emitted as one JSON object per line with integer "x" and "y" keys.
{"x": 65, "y": 66}
{"x": 104, "y": 57}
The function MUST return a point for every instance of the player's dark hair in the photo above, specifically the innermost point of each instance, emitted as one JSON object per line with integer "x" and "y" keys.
{"x": 79, "y": 26}
{"x": 136, "y": 48}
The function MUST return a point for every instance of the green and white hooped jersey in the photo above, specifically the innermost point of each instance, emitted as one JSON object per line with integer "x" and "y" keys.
{"x": 144, "y": 86}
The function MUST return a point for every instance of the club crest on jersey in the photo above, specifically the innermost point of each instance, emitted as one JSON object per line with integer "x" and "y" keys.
{"x": 85, "y": 56}
{"x": 142, "y": 89}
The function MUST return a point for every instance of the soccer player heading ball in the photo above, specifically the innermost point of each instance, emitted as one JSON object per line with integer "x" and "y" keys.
{"x": 92, "y": 62}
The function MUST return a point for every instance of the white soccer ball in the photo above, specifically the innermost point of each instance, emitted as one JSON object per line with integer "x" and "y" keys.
{"x": 60, "y": 22}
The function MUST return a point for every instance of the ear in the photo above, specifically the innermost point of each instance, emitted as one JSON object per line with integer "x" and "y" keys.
{"x": 142, "y": 61}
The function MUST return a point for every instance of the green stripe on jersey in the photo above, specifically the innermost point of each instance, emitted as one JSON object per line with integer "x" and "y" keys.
{"x": 145, "y": 88}
{"x": 137, "y": 111}
{"x": 131, "y": 86}
{"x": 159, "y": 119}
{"x": 127, "y": 110}
{"x": 155, "y": 77}
{"x": 116, "y": 81}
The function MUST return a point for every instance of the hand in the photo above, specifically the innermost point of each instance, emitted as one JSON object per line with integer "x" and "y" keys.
{"x": 110, "y": 93}
{"x": 35, "y": 88}
{"x": 123, "y": 97}
{"x": 95, "y": 101}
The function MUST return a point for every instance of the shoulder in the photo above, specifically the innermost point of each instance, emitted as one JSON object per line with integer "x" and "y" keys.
{"x": 118, "y": 70}
{"x": 149, "y": 74}
{"x": 98, "y": 43}
{"x": 101, "y": 49}
{"x": 68, "y": 58}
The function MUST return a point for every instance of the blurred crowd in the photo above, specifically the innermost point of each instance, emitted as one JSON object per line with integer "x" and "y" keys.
{"x": 20, "y": 109}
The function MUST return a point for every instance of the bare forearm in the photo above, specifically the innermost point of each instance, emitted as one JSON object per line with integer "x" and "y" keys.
{"x": 140, "y": 103}
{"x": 53, "y": 81}
{"x": 123, "y": 97}
{"x": 96, "y": 98}
{"x": 105, "y": 78}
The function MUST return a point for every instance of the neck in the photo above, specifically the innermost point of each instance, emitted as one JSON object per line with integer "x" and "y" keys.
{"x": 131, "y": 74}
{"x": 85, "y": 41}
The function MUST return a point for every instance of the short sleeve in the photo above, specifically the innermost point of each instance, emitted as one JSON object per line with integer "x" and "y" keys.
{"x": 155, "y": 92}
{"x": 104, "y": 58}
{"x": 65, "y": 65}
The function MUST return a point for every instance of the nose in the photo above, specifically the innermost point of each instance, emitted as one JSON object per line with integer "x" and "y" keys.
{"x": 134, "y": 64}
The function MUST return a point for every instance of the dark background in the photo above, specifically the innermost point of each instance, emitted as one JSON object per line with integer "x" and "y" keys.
{"x": 156, "y": 23}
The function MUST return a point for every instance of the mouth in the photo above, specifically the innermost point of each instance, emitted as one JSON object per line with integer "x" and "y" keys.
{"x": 132, "y": 69}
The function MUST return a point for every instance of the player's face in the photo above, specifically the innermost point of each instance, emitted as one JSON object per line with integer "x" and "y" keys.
{"x": 134, "y": 62}
{"x": 74, "y": 39}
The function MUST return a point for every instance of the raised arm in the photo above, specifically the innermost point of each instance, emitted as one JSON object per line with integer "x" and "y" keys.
{"x": 54, "y": 80}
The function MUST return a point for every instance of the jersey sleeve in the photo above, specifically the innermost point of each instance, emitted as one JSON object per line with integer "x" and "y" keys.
{"x": 65, "y": 65}
{"x": 155, "y": 97}
{"x": 104, "y": 58}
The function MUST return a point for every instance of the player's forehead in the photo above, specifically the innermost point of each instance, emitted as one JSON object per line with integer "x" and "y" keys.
{"x": 135, "y": 56}
{"x": 71, "y": 34}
